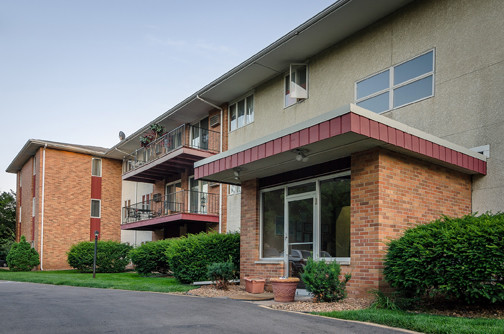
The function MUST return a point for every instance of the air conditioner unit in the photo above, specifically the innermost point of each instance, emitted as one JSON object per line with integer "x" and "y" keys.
{"x": 214, "y": 120}
{"x": 157, "y": 197}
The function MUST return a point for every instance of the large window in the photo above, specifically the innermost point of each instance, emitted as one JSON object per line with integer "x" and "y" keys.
{"x": 96, "y": 169}
{"x": 241, "y": 113}
{"x": 316, "y": 214}
{"x": 296, "y": 84}
{"x": 397, "y": 86}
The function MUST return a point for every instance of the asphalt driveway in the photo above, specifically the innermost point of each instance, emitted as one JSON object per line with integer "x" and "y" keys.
{"x": 39, "y": 308}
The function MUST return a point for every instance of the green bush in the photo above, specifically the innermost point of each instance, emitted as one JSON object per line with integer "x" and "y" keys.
{"x": 189, "y": 256}
{"x": 322, "y": 280}
{"x": 22, "y": 257}
{"x": 221, "y": 273}
{"x": 151, "y": 257}
{"x": 111, "y": 256}
{"x": 456, "y": 258}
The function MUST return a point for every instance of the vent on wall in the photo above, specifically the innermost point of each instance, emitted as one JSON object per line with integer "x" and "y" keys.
{"x": 214, "y": 120}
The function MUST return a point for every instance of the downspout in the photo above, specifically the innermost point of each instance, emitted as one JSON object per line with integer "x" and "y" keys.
{"x": 220, "y": 151}
{"x": 42, "y": 214}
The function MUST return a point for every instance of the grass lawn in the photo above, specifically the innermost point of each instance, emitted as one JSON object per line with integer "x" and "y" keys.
{"x": 424, "y": 323}
{"x": 125, "y": 281}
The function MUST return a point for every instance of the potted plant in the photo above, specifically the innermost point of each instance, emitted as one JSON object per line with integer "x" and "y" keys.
{"x": 284, "y": 288}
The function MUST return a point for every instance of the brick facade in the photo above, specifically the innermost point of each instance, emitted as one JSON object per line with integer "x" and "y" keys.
{"x": 67, "y": 202}
{"x": 389, "y": 193}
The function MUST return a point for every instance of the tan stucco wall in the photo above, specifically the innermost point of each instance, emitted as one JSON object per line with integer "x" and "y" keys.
{"x": 467, "y": 107}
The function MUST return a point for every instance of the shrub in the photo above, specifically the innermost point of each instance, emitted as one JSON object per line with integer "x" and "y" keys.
{"x": 189, "y": 256}
{"x": 456, "y": 258}
{"x": 111, "y": 256}
{"x": 322, "y": 280}
{"x": 221, "y": 273}
{"x": 22, "y": 257}
{"x": 151, "y": 257}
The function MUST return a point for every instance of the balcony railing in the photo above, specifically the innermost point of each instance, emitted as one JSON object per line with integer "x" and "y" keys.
{"x": 184, "y": 201}
{"x": 183, "y": 136}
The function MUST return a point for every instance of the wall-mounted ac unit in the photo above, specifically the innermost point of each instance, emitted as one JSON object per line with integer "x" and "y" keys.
{"x": 157, "y": 197}
{"x": 214, "y": 120}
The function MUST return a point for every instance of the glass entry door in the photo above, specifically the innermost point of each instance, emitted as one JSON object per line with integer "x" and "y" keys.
{"x": 301, "y": 215}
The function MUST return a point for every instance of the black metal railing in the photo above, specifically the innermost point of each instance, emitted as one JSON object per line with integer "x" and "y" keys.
{"x": 184, "y": 201}
{"x": 183, "y": 136}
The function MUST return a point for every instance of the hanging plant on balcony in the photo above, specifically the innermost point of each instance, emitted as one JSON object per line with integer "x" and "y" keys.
{"x": 156, "y": 131}
{"x": 146, "y": 139}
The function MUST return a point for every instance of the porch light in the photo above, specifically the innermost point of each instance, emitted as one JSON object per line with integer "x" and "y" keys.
{"x": 236, "y": 173}
{"x": 301, "y": 155}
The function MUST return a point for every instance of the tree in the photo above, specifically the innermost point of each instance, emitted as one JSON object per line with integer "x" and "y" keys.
{"x": 7, "y": 222}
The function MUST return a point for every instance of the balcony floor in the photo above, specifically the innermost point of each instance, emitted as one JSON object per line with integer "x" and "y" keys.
{"x": 171, "y": 164}
{"x": 158, "y": 222}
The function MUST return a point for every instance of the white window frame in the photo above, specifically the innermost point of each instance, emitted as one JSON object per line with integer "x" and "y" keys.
{"x": 92, "y": 165}
{"x": 246, "y": 122}
{"x": 33, "y": 206}
{"x": 287, "y": 83}
{"x": 391, "y": 87}
{"x": 91, "y": 208}
{"x": 316, "y": 226}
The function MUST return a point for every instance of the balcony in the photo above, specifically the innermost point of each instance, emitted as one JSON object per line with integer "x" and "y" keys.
{"x": 182, "y": 205}
{"x": 170, "y": 154}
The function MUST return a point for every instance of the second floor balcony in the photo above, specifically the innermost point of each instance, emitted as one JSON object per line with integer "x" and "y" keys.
{"x": 170, "y": 154}
{"x": 186, "y": 205}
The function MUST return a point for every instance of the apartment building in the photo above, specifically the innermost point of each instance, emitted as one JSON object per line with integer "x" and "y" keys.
{"x": 65, "y": 193}
{"x": 369, "y": 118}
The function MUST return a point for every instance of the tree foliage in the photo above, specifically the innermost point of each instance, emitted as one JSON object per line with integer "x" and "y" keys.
{"x": 7, "y": 215}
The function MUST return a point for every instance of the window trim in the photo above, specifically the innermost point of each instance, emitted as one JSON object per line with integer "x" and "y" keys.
{"x": 392, "y": 87}
{"x": 235, "y": 103}
{"x": 285, "y": 80}
{"x": 91, "y": 208}
{"x": 101, "y": 167}
{"x": 316, "y": 242}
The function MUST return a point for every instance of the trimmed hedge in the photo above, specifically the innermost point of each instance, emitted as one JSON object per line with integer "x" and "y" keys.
{"x": 111, "y": 256}
{"x": 189, "y": 256}
{"x": 151, "y": 257}
{"x": 22, "y": 257}
{"x": 457, "y": 258}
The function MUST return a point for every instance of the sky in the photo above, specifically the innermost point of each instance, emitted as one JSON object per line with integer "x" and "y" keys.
{"x": 81, "y": 71}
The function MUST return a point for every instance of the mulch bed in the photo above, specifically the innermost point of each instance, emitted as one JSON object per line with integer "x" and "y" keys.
{"x": 495, "y": 311}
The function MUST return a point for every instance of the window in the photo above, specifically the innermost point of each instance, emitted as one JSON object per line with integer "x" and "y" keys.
{"x": 96, "y": 167}
{"x": 290, "y": 216}
{"x": 33, "y": 207}
{"x": 397, "y": 86}
{"x": 241, "y": 113}
{"x": 34, "y": 165}
{"x": 95, "y": 208}
{"x": 296, "y": 84}
{"x": 234, "y": 189}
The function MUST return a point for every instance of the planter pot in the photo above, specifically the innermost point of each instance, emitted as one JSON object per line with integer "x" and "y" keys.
{"x": 254, "y": 285}
{"x": 284, "y": 289}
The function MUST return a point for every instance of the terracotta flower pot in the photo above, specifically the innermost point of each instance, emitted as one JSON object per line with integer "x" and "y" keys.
{"x": 284, "y": 289}
{"x": 254, "y": 285}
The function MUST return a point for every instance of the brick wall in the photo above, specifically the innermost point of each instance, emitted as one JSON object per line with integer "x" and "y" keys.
{"x": 67, "y": 203}
{"x": 111, "y": 200}
{"x": 389, "y": 192}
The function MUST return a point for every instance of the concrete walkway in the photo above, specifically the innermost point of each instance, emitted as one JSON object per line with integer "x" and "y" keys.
{"x": 38, "y": 308}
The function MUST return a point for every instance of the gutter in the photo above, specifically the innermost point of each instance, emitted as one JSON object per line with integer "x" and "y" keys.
{"x": 42, "y": 214}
